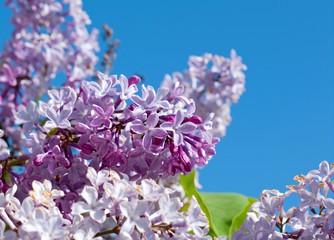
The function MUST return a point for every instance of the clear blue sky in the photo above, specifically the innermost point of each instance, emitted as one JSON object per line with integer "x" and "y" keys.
{"x": 283, "y": 125}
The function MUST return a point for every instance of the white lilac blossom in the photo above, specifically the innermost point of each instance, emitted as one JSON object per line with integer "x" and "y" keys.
{"x": 91, "y": 205}
{"x": 214, "y": 82}
{"x": 313, "y": 218}
{"x": 136, "y": 216}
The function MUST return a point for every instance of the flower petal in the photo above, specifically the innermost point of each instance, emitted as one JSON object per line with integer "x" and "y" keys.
{"x": 152, "y": 120}
{"x": 158, "y": 132}
{"x": 89, "y": 193}
{"x": 139, "y": 128}
{"x": 187, "y": 127}
{"x": 178, "y": 138}
{"x": 178, "y": 118}
{"x": 147, "y": 139}
{"x": 80, "y": 207}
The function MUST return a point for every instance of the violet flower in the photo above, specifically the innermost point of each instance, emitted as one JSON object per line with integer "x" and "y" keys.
{"x": 149, "y": 130}
{"x": 128, "y": 89}
{"x": 57, "y": 119}
{"x": 102, "y": 116}
{"x": 29, "y": 116}
{"x": 151, "y": 101}
{"x": 178, "y": 128}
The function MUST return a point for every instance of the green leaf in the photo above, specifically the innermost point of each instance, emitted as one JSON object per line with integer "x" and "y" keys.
{"x": 188, "y": 184}
{"x": 224, "y": 207}
{"x": 240, "y": 218}
{"x": 225, "y": 211}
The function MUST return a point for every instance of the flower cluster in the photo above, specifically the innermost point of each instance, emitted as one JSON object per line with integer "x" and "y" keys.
{"x": 108, "y": 125}
{"x": 99, "y": 159}
{"x": 313, "y": 218}
{"x": 106, "y": 206}
{"x": 49, "y": 37}
{"x": 215, "y": 83}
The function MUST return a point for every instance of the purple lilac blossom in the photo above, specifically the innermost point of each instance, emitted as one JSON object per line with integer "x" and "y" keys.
{"x": 114, "y": 133}
{"x": 80, "y": 152}
{"x": 49, "y": 37}
{"x": 95, "y": 163}
{"x": 213, "y": 88}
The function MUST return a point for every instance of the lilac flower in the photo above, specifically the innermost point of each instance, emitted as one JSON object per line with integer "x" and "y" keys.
{"x": 85, "y": 228}
{"x": 103, "y": 144}
{"x": 128, "y": 89}
{"x": 169, "y": 210}
{"x": 29, "y": 116}
{"x": 178, "y": 128}
{"x": 9, "y": 74}
{"x": 33, "y": 143}
{"x": 85, "y": 131}
{"x": 52, "y": 158}
{"x": 324, "y": 173}
{"x": 150, "y": 190}
{"x": 8, "y": 201}
{"x": 196, "y": 218}
{"x": 213, "y": 88}
{"x": 93, "y": 206}
{"x": 38, "y": 216}
{"x": 42, "y": 193}
{"x": 151, "y": 101}
{"x": 57, "y": 119}
{"x": 99, "y": 178}
{"x": 149, "y": 130}
{"x": 46, "y": 227}
{"x": 119, "y": 191}
{"x": 106, "y": 87}
{"x": 66, "y": 96}
{"x": 133, "y": 214}
{"x": 311, "y": 198}
{"x": 102, "y": 116}
{"x": 301, "y": 221}
{"x": 254, "y": 228}
{"x": 44, "y": 43}
{"x": 26, "y": 210}
{"x": 312, "y": 219}
{"x": 9, "y": 204}
{"x": 268, "y": 205}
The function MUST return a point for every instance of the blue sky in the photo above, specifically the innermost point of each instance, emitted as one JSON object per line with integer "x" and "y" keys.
{"x": 283, "y": 125}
